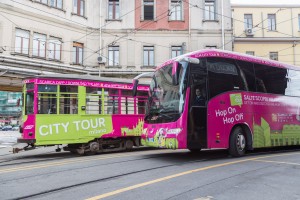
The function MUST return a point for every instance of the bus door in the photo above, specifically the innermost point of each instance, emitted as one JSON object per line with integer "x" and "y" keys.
{"x": 197, "y": 118}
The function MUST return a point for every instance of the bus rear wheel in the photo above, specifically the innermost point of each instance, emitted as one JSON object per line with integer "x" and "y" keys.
{"x": 237, "y": 145}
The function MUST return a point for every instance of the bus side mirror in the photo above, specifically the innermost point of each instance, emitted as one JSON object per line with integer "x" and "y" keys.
{"x": 175, "y": 73}
{"x": 134, "y": 88}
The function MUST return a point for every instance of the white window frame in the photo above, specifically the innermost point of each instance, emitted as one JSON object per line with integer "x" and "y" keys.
{"x": 176, "y": 51}
{"x": 210, "y": 7}
{"x": 273, "y": 55}
{"x": 39, "y": 45}
{"x": 272, "y": 22}
{"x": 56, "y": 4}
{"x": 148, "y": 51}
{"x": 176, "y": 10}
{"x": 248, "y": 22}
{"x": 79, "y": 10}
{"x": 54, "y": 48}
{"x": 154, "y": 11}
{"x": 22, "y": 36}
{"x": 251, "y": 53}
{"x": 115, "y": 13}
{"x": 114, "y": 55}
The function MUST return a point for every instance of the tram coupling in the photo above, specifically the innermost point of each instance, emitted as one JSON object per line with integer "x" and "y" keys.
{"x": 27, "y": 148}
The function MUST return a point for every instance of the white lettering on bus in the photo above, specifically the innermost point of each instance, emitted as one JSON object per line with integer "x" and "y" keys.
{"x": 221, "y": 113}
{"x": 231, "y": 110}
{"x": 52, "y": 127}
{"x": 41, "y": 132}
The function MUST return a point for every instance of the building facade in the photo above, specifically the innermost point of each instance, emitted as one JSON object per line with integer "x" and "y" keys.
{"x": 117, "y": 38}
{"x": 271, "y": 31}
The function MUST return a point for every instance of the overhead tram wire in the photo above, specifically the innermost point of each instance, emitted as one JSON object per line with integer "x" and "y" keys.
{"x": 133, "y": 31}
{"x": 84, "y": 25}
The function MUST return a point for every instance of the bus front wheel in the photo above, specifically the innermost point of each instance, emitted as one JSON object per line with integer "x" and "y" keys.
{"x": 237, "y": 146}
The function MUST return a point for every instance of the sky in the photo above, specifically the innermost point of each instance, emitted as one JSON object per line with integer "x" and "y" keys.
{"x": 266, "y": 2}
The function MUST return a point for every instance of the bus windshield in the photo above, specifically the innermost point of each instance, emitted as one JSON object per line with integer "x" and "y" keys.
{"x": 166, "y": 100}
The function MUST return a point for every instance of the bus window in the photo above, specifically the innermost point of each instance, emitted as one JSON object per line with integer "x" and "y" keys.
{"x": 270, "y": 79}
{"x": 93, "y": 100}
{"x": 127, "y": 102}
{"x": 293, "y": 85}
{"x": 47, "y": 99}
{"x": 29, "y": 103}
{"x": 220, "y": 71}
{"x": 111, "y": 101}
{"x": 141, "y": 102}
{"x": 68, "y": 100}
{"x": 247, "y": 73}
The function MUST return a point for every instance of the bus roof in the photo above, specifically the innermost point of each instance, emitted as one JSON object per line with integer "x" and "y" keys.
{"x": 85, "y": 77}
{"x": 233, "y": 55}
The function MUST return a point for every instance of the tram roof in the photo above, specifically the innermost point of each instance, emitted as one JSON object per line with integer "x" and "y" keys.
{"x": 87, "y": 78}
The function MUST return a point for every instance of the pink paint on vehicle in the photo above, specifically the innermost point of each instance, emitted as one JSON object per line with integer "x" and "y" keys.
{"x": 87, "y": 114}
{"x": 219, "y": 99}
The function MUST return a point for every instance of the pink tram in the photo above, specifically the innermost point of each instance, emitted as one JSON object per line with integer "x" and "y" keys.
{"x": 89, "y": 114}
{"x": 215, "y": 99}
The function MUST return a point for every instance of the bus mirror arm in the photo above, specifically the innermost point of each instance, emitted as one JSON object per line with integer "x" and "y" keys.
{"x": 135, "y": 81}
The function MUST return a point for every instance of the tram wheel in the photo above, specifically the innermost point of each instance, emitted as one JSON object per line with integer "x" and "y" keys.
{"x": 129, "y": 144}
{"x": 237, "y": 144}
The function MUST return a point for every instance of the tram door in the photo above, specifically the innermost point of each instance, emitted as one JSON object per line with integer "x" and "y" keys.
{"x": 197, "y": 118}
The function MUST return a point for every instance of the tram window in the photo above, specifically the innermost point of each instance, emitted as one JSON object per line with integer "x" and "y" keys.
{"x": 29, "y": 86}
{"x": 68, "y": 100}
{"x": 29, "y": 103}
{"x": 47, "y": 99}
{"x": 47, "y": 88}
{"x": 142, "y": 102}
{"x": 111, "y": 101}
{"x": 127, "y": 102}
{"x": 270, "y": 79}
{"x": 93, "y": 100}
{"x": 47, "y": 103}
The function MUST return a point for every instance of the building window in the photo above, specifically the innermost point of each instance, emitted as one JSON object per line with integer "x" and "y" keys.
{"x": 175, "y": 11}
{"x": 43, "y": 1}
{"x": 210, "y": 47}
{"x": 148, "y": 56}
{"x": 113, "y": 55}
{"x": 54, "y": 48}
{"x": 78, "y": 7}
{"x": 176, "y": 51}
{"x": 148, "y": 9}
{"x": 22, "y": 41}
{"x": 77, "y": 53}
{"x": 272, "y": 22}
{"x": 56, "y": 3}
{"x": 248, "y": 21}
{"x": 274, "y": 55}
{"x": 299, "y": 21}
{"x": 209, "y": 12}
{"x": 250, "y": 53}
{"x": 39, "y": 45}
{"x": 113, "y": 9}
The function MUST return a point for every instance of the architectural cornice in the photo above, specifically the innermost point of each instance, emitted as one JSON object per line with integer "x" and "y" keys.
{"x": 267, "y": 39}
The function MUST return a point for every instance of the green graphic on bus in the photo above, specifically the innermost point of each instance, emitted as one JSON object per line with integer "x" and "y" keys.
{"x": 236, "y": 99}
{"x": 265, "y": 137}
{"x": 71, "y": 129}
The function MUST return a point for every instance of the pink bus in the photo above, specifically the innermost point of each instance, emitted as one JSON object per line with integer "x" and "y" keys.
{"x": 90, "y": 114}
{"x": 213, "y": 99}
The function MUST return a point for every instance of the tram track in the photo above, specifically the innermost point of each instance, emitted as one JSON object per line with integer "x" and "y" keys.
{"x": 178, "y": 163}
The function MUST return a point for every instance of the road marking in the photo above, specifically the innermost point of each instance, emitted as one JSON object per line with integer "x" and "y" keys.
{"x": 178, "y": 175}
{"x": 271, "y": 161}
{"x": 71, "y": 161}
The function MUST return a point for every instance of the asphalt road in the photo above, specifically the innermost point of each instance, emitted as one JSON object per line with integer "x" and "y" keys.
{"x": 150, "y": 174}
